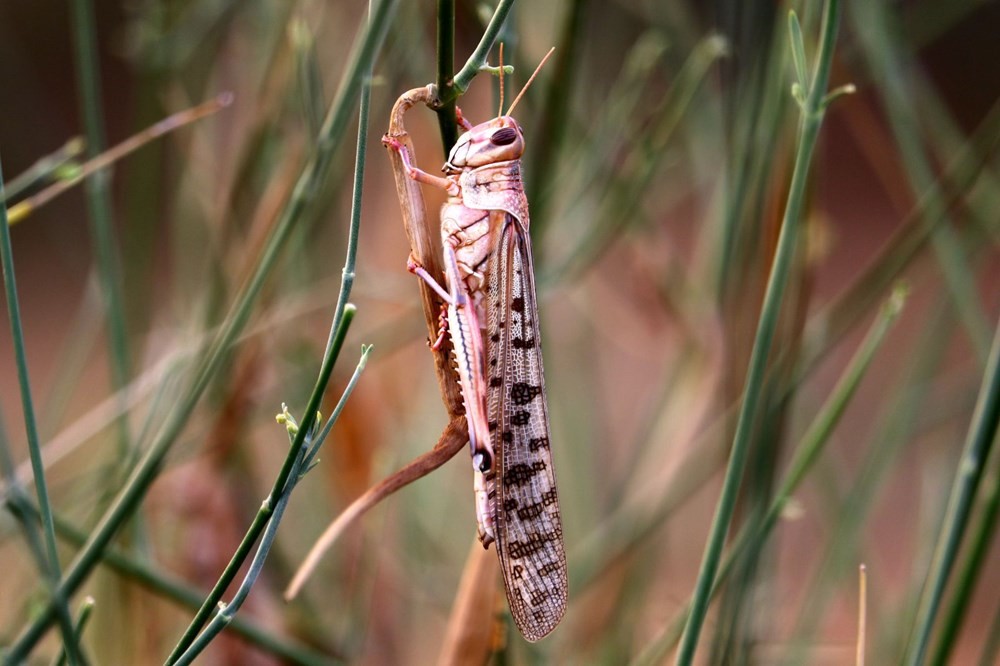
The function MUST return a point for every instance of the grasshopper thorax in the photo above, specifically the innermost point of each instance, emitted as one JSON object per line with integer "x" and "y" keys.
{"x": 498, "y": 140}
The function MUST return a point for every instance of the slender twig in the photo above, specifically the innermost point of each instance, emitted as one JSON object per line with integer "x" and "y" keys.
{"x": 982, "y": 432}
{"x": 226, "y": 612}
{"x": 153, "y": 578}
{"x": 302, "y": 456}
{"x": 978, "y": 552}
{"x": 812, "y": 116}
{"x": 81, "y": 623}
{"x": 341, "y": 318}
{"x": 266, "y": 512}
{"x": 445, "y": 70}
{"x": 23, "y": 209}
{"x": 477, "y": 61}
{"x": 452, "y": 440}
{"x": 877, "y": 36}
{"x": 303, "y": 194}
{"x": 99, "y": 209}
{"x": 49, "y": 566}
{"x": 56, "y": 165}
{"x": 803, "y": 460}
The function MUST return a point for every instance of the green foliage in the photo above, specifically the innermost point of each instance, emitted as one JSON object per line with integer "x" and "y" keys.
{"x": 716, "y": 222}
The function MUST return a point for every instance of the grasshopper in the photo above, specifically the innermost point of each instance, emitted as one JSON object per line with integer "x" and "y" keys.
{"x": 491, "y": 317}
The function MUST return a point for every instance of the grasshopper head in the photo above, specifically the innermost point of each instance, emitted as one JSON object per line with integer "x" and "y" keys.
{"x": 497, "y": 140}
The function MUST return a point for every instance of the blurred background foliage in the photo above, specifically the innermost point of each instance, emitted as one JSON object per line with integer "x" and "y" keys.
{"x": 661, "y": 140}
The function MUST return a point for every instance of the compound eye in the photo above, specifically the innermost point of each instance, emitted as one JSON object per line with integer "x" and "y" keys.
{"x": 504, "y": 136}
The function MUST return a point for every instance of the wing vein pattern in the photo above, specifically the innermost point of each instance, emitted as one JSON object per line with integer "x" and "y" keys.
{"x": 525, "y": 504}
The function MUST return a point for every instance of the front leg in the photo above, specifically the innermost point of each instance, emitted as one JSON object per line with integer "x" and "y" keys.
{"x": 461, "y": 120}
{"x": 418, "y": 174}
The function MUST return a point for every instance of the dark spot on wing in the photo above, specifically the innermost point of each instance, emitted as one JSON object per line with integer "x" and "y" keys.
{"x": 521, "y": 393}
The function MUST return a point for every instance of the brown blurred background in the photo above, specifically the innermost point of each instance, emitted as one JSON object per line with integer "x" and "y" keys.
{"x": 647, "y": 321}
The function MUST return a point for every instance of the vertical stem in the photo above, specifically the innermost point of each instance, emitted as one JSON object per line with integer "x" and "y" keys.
{"x": 478, "y": 58}
{"x": 303, "y": 194}
{"x": 445, "y": 72}
{"x": 968, "y": 577}
{"x": 553, "y": 123}
{"x": 812, "y": 117}
{"x": 50, "y": 566}
{"x": 982, "y": 432}
{"x": 342, "y": 317}
{"x": 99, "y": 199}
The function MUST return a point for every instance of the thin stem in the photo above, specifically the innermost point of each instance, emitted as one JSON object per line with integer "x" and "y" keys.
{"x": 153, "y": 579}
{"x": 50, "y": 565}
{"x": 23, "y": 209}
{"x": 266, "y": 511}
{"x": 878, "y": 37}
{"x": 147, "y": 469}
{"x": 343, "y": 314}
{"x": 859, "y": 654}
{"x": 228, "y": 611}
{"x": 445, "y": 70}
{"x": 328, "y": 426}
{"x": 477, "y": 61}
{"x": 52, "y": 166}
{"x": 809, "y": 130}
{"x": 982, "y": 432}
{"x": 553, "y": 123}
{"x": 81, "y": 623}
{"x": 978, "y": 551}
{"x": 803, "y": 460}
{"x": 108, "y": 264}
{"x": 303, "y": 456}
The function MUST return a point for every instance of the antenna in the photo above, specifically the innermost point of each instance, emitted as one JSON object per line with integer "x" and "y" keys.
{"x": 500, "y": 110}
{"x": 521, "y": 94}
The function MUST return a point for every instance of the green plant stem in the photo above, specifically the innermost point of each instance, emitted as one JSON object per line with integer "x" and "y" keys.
{"x": 267, "y": 510}
{"x": 47, "y": 168}
{"x": 311, "y": 454}
{"x": 167, "y": 587}
{"x": 99, "y": 202}
{"x": 629, "y": 526}
{"x": 445, "y": 71}
{"x": 477, "y": 60}
{"x": 982, "y": 432}
{"x": 804, "y": 458}
{"x": 15, "y": 499}
{"x": 303, "y": 457}
{"x": 49, "y": 566}
{"x": 553, "y": 123}
{"x": 969, "y": 575}
{"x": 303, "y": 194}
{"x": 883, "y": 54}
{"x": 812, "y": 117}
{"x": 343, "y": 314}
{"x": 226, "y": 612}
{"x": 81, "y": 624}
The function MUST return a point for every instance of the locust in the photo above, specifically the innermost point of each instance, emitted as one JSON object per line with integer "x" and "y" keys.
{"x": 490, "y": 315}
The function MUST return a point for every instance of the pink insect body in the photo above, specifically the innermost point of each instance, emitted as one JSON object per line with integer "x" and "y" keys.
{"x": 493, "y": 323}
